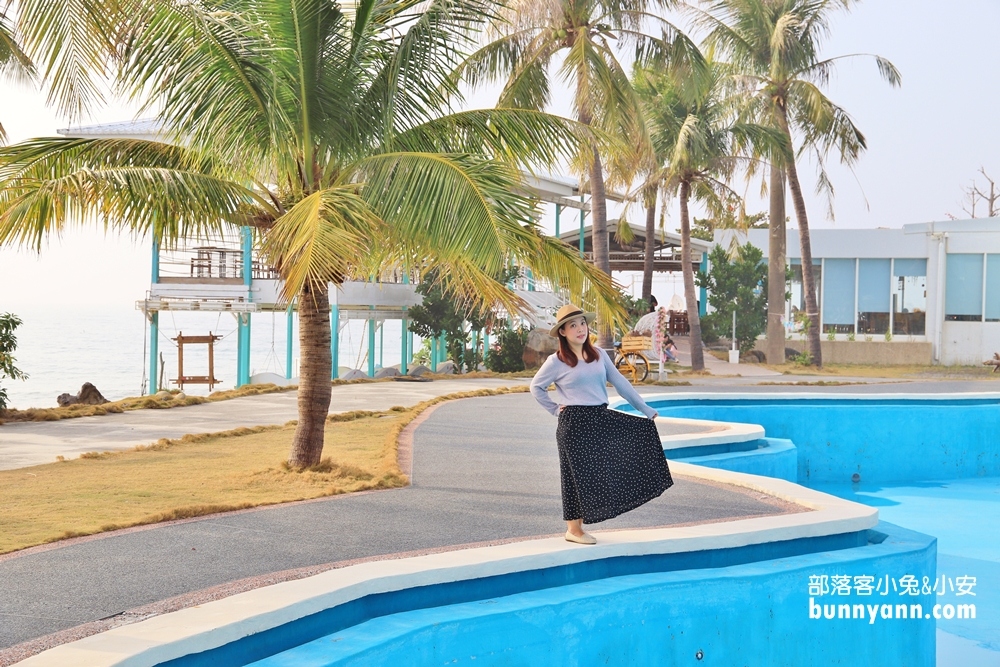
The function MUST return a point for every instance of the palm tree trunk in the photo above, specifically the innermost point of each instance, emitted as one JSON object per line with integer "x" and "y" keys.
{"x": 314, "y": 376}
{"x": 776, "y": 262}
{"x": 805, "y": 248}
{"x": 599, "y": 236}
{"x": 694, "y": 322}
{"x": 647, "y": 260}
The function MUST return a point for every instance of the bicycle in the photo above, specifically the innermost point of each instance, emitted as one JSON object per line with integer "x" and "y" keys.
{"x": 629, "y": 356}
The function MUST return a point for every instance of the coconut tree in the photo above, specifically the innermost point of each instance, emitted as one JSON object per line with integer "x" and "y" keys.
{"x": 774, "y": 45}
{"x": 327, "y": 129}
{"x": 590, "y": 37}
{"x": 700, "y": 141}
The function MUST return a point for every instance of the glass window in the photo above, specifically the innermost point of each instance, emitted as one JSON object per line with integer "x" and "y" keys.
{"x": 909, "y": 297}
{"x": 873, "y": 295}
{"x": 993, "y": 288}
{"x": 964, "y": 288}
{"x": 795, "y": 312}
{"x": 838, "y": 296}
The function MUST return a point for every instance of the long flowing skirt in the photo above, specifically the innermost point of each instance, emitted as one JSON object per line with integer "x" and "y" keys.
{"x": 611, "y": 462}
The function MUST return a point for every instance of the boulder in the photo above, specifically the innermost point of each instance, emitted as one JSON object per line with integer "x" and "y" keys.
{"x": 446, "y": 368}
{"x": 88, "y": 395}
{"x": 538, "y": 348}
{"x": 353, "y": 374}
{"x": 386, "y": 373}
{"x": 419, "y": 370}
{"x": 755, "y": 357}
{"x": 791, "y": 353}
{"x": 162, "y": 395}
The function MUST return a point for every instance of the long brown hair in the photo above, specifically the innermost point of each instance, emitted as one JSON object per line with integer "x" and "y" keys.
{"x": 568, "y": 356}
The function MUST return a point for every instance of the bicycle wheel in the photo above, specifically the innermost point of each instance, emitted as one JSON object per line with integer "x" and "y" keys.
{"x": 641, "y": 366}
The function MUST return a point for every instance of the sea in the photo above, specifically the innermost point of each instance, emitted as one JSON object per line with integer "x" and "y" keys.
{"x": 108, "y": 346}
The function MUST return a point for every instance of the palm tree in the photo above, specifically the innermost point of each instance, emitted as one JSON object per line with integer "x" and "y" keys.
{"x": 774, "y": 46}
{"x": 588, "y": 35}
{"x": 326, "y": 129}
{"x": 700, "y": 141}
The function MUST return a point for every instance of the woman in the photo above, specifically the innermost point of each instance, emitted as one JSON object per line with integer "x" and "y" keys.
{"x": 610, "y": 462}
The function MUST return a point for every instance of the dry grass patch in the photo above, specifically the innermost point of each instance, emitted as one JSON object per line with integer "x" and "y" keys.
{"x": 907, "y": 372}
{"x": 201, "y": 474}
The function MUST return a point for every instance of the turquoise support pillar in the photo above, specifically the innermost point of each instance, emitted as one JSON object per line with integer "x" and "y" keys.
{"x": 371, "y": 345}
{"x": 583, "y": 214}
{"x": 243, "y": 349}
{"x": 335, "y": 340}
{"x": 404, "y": 358}
{"x": 558, "y": 211}
{"x": 154, "y": 352}
{"x": 434, "y": 354}
{"x": 154, "y": 327}
{"x": 381, "y": 344}
{"x": 243, "y": 334}
{"x": 289, "y": 332}
{"x": 703, "y": 295}
{"x": 531, "y": 281}
{"x": 486, "y": 345}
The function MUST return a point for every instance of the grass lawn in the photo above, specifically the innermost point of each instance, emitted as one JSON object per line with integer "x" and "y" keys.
{"x": 199, "y": 474}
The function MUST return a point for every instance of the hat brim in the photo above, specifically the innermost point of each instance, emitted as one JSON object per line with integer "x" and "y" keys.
{"x": 554, "y": 331}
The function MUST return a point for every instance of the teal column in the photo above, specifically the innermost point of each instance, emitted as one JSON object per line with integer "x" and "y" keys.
{"x": 381, "y": 344}
{"x": 442, "y": 350}
{"x": 434, "y": 354}
{"x": 404, "y": 358}
{"x": 335, "y": 340}
{"x": 243, "y": 333}
{"x": 558, "y": 211}
{"x": 531, "y": 281}
{"x": 703, "y": 294}
{"x": 583, "y": 213}
{"x": 371, "y": 345}
{"x": 486, "y": 345}
{"x": 289, "y": 332}
{"x": 156, "y": 262}
{"x": 243, "y": 349}
{"x": 154, "y": 328}
{"x": 154, "y": 352}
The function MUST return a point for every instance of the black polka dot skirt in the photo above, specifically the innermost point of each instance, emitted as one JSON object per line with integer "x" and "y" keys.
{"x": 611, "y": 462}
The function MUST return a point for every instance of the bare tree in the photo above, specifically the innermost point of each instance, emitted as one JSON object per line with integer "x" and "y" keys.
{"x": 973, "y": 195}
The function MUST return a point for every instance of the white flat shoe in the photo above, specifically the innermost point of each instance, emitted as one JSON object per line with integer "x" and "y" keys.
{"x": 586, "y": 538}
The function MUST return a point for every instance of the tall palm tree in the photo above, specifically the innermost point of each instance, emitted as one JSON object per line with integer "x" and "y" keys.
{"x": 589, "y": 36}
{"x": 696, "y": 133}
{"x": 328, "y": 129}
{"x": 775, "y": 45}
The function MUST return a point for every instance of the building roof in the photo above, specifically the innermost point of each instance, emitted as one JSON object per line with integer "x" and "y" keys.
{"x": 150, "y": 129}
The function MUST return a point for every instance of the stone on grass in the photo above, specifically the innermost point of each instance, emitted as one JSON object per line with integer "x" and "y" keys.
{"x": 353, "y": 374}
{"x": 386, "y": 373}
{"x": 446, "y": 368}
{"x": 538, "y": 348}
{"x": 88, "y": 395}
{"x": 419, "y": 370}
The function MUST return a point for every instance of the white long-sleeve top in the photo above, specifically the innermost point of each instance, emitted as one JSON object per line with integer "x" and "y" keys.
{"x": 583, "y": 384}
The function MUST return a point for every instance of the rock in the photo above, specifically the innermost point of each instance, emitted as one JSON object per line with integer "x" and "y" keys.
{"x": 162, "y": 395}
{"x": 755, "y": 357}
{"x": 538, "y": 348}
{"x": 386, "y": 373}
{"x": 89, "y": 395}
{"x": 180, "y": 396}
{"x": 791, "y": 353}
{"x": 446, "y": 368}
{"x": 353, "y": 374}
{"x": 419, "y": 370}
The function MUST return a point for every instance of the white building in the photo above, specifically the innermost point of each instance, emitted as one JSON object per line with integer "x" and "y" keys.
{"x": 935, "y": 282}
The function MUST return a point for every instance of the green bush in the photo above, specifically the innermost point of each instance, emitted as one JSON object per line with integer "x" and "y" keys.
{"x": 505, "y": 355}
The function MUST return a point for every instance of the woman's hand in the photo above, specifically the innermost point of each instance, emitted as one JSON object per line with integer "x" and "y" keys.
{"x": 561, "y": 408}
{"x": 654, "y": 415}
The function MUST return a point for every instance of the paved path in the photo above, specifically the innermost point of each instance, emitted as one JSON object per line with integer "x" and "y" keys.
{"x": 31, "y": 443}
{"x": 483, "y": 469}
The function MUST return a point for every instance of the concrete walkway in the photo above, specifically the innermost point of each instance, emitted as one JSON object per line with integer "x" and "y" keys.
{"x": 484, "y": 469}
{"x": 31, "y": 443}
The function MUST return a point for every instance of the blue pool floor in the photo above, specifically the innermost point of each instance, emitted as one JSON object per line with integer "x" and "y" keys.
{"x": 964, "y": 515}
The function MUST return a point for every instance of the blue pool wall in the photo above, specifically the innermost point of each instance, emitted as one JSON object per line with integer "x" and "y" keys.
{"x": 771, "y": 457}
{"x": 885, "y": 440}
{"x": 755, "y": 613}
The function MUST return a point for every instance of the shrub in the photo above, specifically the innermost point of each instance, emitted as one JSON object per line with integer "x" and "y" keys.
{"x": 505, "y": 356}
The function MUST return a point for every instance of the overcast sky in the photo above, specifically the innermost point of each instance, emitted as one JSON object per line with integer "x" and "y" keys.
{"x": 926, "y": 141}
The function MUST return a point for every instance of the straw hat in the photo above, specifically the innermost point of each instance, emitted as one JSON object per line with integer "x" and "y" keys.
{"x": 568, "y": 312}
